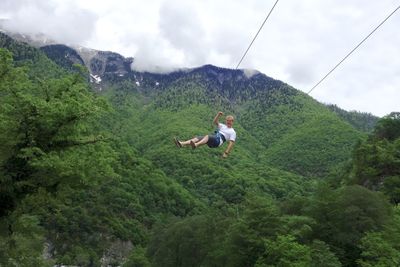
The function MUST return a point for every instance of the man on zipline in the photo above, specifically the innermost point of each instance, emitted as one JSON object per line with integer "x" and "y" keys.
{"x": 224, "y": 133}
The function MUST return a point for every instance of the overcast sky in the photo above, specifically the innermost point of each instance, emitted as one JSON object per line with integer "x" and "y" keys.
{"x": 301, "y": 41}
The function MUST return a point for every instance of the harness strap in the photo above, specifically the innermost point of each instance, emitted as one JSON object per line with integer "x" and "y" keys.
{"x": 222, "y": 137}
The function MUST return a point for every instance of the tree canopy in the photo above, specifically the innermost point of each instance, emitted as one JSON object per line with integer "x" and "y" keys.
{"x": 93, "y": 178}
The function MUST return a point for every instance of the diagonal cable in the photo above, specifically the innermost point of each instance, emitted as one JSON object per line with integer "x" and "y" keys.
{"x": 337, "y": 65}
{"x": 262, "y": 25}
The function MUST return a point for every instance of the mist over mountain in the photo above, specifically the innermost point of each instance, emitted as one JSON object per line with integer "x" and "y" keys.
{"x": 90, "y": 175}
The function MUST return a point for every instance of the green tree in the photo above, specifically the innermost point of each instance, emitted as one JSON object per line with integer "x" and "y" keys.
{"x": 41, "y": 124}
{"x": 22, "y": 243}
{"x": 285, "y": 251}
{"x": 51, "y": 147}
{"x": 344, "y": 215}
{"x": 322, "y": 255}
{"x": 377, "y": 252}
{"x": 137, "y": 258}
{"x": 187, "y": 242}
{"x": 376, "y": 162}
{"x": 300, "y": 227}
{"x": 258, "y": 219}
{"x": 388, "y": 127}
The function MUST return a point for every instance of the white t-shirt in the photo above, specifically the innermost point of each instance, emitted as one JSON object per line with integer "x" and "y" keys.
{"x": 229, "y": 133}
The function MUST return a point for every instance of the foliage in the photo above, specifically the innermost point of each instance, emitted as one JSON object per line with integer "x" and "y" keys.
{"x": 362, "y": 121}
{"x": 22, "y": 243}
{"x": 376, "y": 162}
{"x": 388, "y": 127}
{"x": 344, "y": 215}
{"x": 285, "y": 252}
{"x": 90, "y": 178}
{"x": 376, "y": 251}
{"x": 44, "y": 128}
{"x": 137, "y": 259}
{"x": 63, "y": 56}
{"x": 61, "y": 166}
{"x": 322, "y": 255}
{"x": 39, "y": 65}
{"x": 300, "y": 135}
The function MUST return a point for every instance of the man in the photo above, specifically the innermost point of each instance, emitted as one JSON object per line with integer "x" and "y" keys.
{"x": 224, "y": 133}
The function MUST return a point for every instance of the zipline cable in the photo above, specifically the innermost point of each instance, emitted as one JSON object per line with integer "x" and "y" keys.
{"x": 353, "y": 50}
{"x": 262, "y": 25}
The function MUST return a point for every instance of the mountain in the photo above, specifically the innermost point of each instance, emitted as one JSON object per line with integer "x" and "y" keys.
{"x": 89, "y": 170}
{"x": 63, "y": 55}
{"x": 360, "y": 120}
{"x": 290, "y": 125}
{"x": 36, "y": 40}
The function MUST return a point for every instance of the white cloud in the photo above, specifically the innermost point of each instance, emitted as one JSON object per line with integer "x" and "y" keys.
{"x": 61, "y": 21}
{"x": 250, "y": 72}
{"x": 182, "y": 27}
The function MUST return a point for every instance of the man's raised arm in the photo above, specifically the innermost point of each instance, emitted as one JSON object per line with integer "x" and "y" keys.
{"x": 216, "y": 119}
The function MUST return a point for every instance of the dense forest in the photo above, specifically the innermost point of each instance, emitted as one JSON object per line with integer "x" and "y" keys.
{"x": 92, "y": 178}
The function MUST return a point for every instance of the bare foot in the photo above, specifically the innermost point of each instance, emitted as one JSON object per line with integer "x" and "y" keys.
{"x": 177, "y": 143}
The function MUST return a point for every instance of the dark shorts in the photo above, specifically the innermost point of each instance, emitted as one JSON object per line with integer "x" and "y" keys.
{"x": 213, "y": 140}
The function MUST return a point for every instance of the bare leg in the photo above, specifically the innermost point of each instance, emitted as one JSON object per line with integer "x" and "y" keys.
{"x": 202, "y": 141}
{"x": 187, "y": 143}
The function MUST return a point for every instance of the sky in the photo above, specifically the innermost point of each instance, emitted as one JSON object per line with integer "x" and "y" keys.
{"x": 299, "y": 44}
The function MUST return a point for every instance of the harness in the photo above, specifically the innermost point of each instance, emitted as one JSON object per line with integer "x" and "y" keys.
{"x": 220, "y": 135}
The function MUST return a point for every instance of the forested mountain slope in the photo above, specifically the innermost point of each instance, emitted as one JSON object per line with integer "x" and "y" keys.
{"x": 360, "y": 120}
{"x": 289, "y": 125}
{"x": 90, "y": 176}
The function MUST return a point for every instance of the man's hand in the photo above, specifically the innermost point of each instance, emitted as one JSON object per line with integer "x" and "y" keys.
{"x": 225, "y": 155}
{"x": 216, "y": 119}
